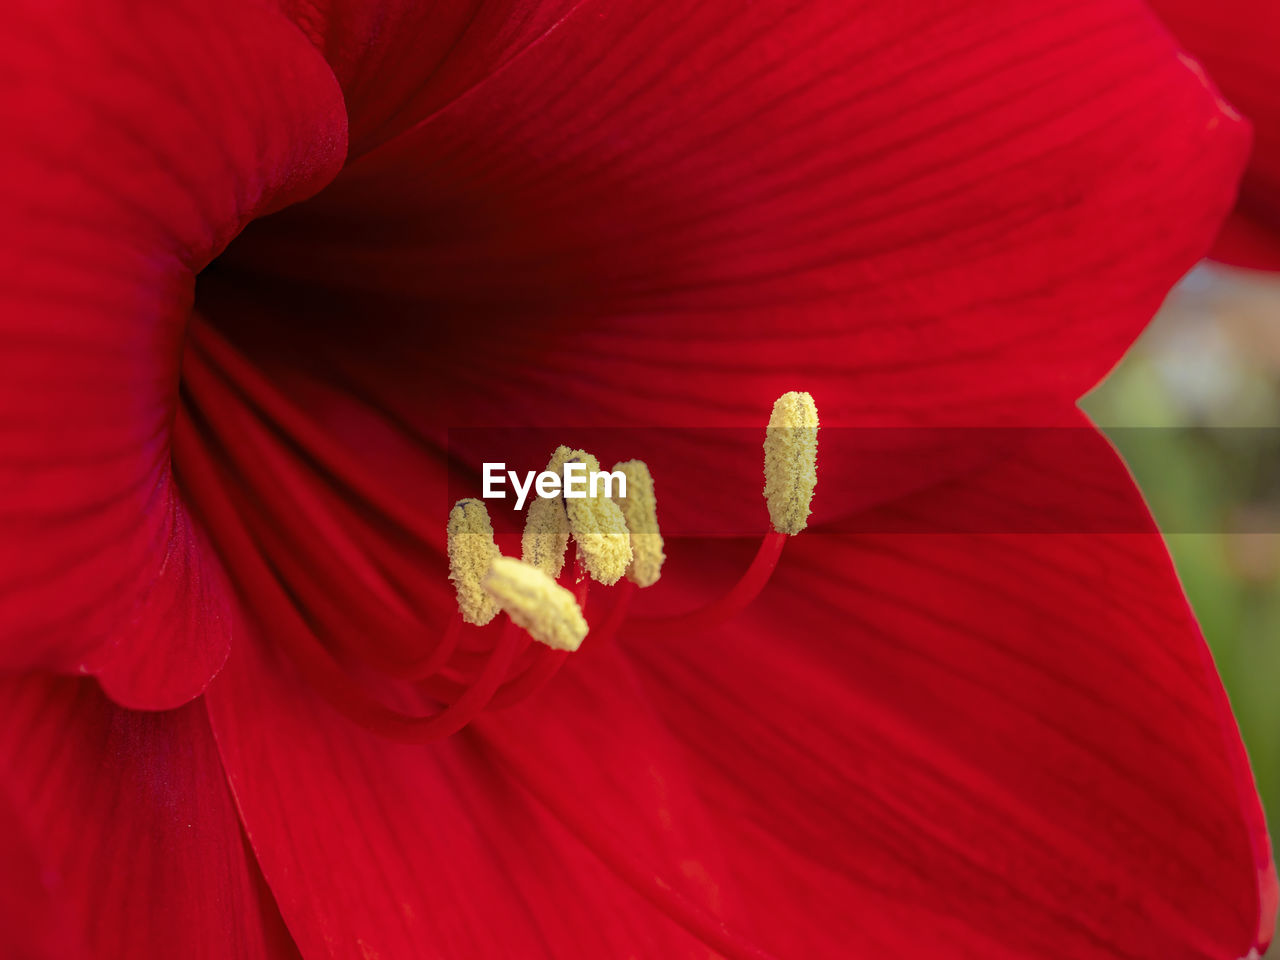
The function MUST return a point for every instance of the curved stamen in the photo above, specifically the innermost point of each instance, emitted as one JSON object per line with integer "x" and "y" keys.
{"x": 729, "y": 605}
{"x": 790, "y": 478}
{"x": 617, "y": 613}
{"x": 546, "y": 664}
{"x": 465, "y": 668}
{"x": 436, "y": 660}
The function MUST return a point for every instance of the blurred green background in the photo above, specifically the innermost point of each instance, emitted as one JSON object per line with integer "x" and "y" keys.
{"x": 1207, "y": 374}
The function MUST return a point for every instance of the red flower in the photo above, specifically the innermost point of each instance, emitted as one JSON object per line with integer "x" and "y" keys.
{"x": 1237, "y": 40}
{"x": 970, "y": 715}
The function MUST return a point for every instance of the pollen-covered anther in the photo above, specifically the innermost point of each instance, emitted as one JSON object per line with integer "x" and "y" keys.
{"x": 791, "y": 461}
{"x": 640, "y": 511}
{"x": 595, "y": 521}
{"x": 546, "y": 529}
{"x": 537, "y": 603}
{"x": 471, "y": 552}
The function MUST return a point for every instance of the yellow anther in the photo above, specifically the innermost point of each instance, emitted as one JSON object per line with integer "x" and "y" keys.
{"x": 536, "y": 602}
{"x": 546, "y": 530}
{"x": 791, "y": 461}
{"x": 471, "y": 552}
{"x": 640, "y": 510}
{"x": 562, "y": 456}
{"x": 546, "y": 536}
{"x": 597, "y": 526}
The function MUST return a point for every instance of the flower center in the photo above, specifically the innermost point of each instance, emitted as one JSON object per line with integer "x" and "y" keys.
{"x": 471, "y": 666}
{"x": 612, "y": 536}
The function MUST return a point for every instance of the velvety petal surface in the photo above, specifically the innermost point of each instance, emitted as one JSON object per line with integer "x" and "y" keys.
{"x": 1237, "y": 42}
{"x": 934, "y": 218}
{"x": 128, "y": 815}
{"x": 399, "y": 60}
{"x": 32, "y": 913}
{"x": 865, "y": 195}
{"x": 948, "y": 214}
{"x": 139, "y": 139}
{"x": 990, "y": 729}
{"x": 986, "y": 726}
{"x": 374, "y": 848}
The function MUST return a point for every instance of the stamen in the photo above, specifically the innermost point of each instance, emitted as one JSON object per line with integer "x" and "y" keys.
{"x": 430, "y": 665}
{"x": 614, "y": 535}
{"x": 471, "y": 550}
{"x": 604, "y": 631}
{"x": 596, "y": 523}
{"x": 522, "y": 687}
{"x": 791, "y": 461}
{"x": 547, "y": 663}
{"x": 533, "y": 600}
{"x": 640, "y": 511}
{"x": 791, "y": 475}
{"x": 730, "y": 604}
{"x": 546, "y": 531}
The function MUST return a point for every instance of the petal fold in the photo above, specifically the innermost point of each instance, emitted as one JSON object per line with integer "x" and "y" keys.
{"x": 1236, "y": 41}
{"x": 140, "y": 140}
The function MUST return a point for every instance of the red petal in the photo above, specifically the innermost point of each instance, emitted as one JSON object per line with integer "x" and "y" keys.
{"x": 988, "y": 734}
{"x": 1001, "y": 743}
{"x": 32, "y": 914}
{"x": 420, "y": 851}
{"x": 940, "y": 216}
{"x": 130, "y": 815}
{"x": 919, "y": 216}
{"x": 398, "y": 60}
{"x": 1248, "y": 242}
{"x": 141, "y": 139}
{"x": 1237, "y": 40}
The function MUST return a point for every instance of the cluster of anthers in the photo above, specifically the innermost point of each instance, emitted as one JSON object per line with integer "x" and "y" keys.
{"x": 615, "y": 538}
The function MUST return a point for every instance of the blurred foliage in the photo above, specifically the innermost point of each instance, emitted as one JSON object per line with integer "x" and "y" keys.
{"x": 1205, "y": 380}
